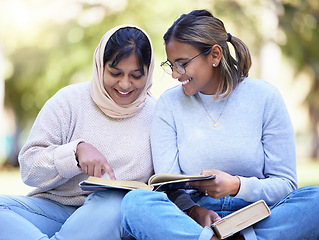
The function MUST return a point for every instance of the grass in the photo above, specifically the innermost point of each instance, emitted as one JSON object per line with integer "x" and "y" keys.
{"x": 308, "y": 173}
{"x": 11, "y": 183}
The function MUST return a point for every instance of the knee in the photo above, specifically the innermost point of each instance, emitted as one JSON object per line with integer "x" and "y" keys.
{"x": 308, "y": 197}
{"x": 311, "y": 192}
{"x": 135, "y": 199}
{"x": 139, "y": 201}
{"x": 102, "y": 200}
{"x": 100, "y": 196}
{"x": 5, "y": 202}
{"x": 133, "y": 205}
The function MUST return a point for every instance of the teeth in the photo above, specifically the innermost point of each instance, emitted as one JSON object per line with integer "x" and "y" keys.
{"x": 124, "y": 93}
{"x": 185, "y": 81}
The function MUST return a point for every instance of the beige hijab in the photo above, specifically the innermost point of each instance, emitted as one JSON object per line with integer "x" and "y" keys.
{"x": 98, "y": 93}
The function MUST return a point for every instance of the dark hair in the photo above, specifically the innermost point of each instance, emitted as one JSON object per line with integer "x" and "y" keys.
{"x": 127, "y": 41}
{"x": 202, "y": 30}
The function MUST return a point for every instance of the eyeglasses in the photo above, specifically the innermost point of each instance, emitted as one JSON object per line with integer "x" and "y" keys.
{"x": 180, "y": 67}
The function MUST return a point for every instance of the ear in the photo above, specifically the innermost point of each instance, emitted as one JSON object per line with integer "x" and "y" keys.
{"x": 216, "y": 55}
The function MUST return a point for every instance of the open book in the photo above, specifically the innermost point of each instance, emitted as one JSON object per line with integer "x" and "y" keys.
{"x": 157, "y": 182}
{"x": 241, "y": 219}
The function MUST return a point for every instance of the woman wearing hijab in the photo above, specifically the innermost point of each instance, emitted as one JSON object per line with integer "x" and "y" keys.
{"x": 98, "y": 128}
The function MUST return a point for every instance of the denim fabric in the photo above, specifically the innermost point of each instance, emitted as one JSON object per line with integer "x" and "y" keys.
{"x": 36, "y": 218}
{"x": 294, "y": 217}
{"x": 151, "y": 215}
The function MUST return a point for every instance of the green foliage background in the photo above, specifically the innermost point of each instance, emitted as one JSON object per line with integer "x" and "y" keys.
{"x": 56, "y": 52}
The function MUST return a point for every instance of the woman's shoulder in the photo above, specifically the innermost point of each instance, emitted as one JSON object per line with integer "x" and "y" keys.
{"x": 73, "y": 91}
{"x": 73, "y": 94}
{"x": 256, "y": 87}
{"x": 74, "y": 88}
{"x": 173, "y": 93}
{"x": 257, "y": 92}
{"x": 258, "y": 84}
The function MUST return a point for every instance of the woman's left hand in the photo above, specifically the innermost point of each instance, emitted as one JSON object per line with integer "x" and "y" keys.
{"x": 223, "y": 185}
{"x": 203, "y": 216}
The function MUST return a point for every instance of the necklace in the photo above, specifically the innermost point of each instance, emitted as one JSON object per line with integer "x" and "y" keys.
{"x": 215, "y": 122}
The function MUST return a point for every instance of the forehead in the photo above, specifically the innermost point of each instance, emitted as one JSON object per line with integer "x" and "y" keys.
{"x": 176, "y": 50}
{"x": 127, "y": 62}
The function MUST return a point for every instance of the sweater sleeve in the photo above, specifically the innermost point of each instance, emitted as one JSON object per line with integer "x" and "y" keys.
{"x": 279, "y": 156}
{"x": 165, "y": 151}
{"x": 48, "y": 158}
{"x": 164, "y": 140}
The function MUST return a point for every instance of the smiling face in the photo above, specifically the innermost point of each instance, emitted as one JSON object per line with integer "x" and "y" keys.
{"x": 200, "y": 75}
{"x": 125, "y": 81}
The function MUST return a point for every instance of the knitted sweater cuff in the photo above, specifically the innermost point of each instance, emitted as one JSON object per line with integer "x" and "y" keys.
{"x": 65, "y": 160}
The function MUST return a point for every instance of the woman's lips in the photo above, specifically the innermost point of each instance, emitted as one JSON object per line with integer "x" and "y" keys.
{"x": 123, "y": 94}
{"x": 185, "y": 82}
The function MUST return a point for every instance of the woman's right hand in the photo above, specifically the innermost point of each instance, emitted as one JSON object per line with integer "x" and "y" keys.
{"x": 223, "y": 185}
{"x": 203, "y": 216}
{"x": 92, "y": 161}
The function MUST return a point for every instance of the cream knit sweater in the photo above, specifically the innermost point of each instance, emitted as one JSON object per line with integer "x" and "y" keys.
{"x": 47, "y": 160}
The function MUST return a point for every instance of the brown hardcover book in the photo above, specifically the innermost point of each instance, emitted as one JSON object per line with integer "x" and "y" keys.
{"x": 241, "y": 219}
{"x": 157, "y": 182}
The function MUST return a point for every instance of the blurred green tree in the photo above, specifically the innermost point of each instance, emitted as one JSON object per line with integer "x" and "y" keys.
{"x": 300, "y": 23}
{"x": 40, "y": 70}
{"x": 61, "y": 53}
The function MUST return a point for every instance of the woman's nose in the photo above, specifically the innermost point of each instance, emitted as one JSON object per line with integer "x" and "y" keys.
{"x": 175, "y": 73}
{"x": 125, "y": 83}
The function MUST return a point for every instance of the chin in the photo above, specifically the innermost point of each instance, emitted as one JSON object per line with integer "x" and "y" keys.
{"x": 188, "y": 93}
{"x": 125, "y": 102}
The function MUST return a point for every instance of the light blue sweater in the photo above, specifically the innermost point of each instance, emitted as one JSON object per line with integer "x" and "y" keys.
{"x": 254, "y": 139}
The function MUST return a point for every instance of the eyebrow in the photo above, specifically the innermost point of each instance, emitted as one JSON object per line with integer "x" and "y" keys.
{"x": 136, "y": 70}
{"x": 178, "y": 59}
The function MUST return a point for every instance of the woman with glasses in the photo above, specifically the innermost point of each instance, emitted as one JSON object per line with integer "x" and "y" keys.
{"x": 220, "y": 121}
{"x": 97, "y": 128}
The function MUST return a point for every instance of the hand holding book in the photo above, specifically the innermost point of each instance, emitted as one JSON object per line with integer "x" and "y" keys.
{"x": 223, "y": 185}
{"x": 203, "y": 216}
{"x": 232, "y": 223}
{"x": 241, "y": 219}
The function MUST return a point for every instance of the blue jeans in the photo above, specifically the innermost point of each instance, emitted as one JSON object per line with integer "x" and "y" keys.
{"x": 33, "y": 218}
{"x": 151, "y": 215}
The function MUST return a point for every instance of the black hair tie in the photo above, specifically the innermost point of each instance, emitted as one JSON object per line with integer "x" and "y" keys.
{"x": 229, "y": 37}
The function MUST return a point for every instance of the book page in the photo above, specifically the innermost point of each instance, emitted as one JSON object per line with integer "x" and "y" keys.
{"x": 107, "y": 183}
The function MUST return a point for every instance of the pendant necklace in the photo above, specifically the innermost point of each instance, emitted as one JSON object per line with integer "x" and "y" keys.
{"x": 215, "y": 122}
